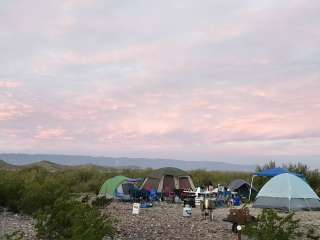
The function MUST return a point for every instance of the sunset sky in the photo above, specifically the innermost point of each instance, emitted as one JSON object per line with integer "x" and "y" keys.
{"x": 233, "y": 81}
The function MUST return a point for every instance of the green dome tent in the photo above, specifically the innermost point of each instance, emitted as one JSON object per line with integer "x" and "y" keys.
{"x": 109, "y": 188}
{"x": 287, "y": 192}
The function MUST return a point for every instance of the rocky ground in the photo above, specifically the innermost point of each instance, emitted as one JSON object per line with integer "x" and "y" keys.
{"x": 165, "y": 221}
{"x": 10, "y": 223}
{"x": 162, "y": 221}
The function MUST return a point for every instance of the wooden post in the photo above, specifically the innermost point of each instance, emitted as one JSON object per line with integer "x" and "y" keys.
{"x": 239, "y": 228}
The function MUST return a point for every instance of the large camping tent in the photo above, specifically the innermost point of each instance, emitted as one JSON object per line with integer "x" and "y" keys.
{"x": 287, "y": 192}
{"x": 242, "y": 188}
{"x": 272, "y": 172}
{"x": 167, "y": 180}
{"x": 117, "y": 187}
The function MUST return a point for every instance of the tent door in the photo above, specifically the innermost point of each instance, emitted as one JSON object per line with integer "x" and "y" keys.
{"x": 168, "y": 184}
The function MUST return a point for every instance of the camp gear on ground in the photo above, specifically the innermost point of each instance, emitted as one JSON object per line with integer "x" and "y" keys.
{"x": 239, "y": 216}
{"x": 153, "y": 196}
{"x": 287, "y": 192}
{"x": 200, "y": 196}
{"x": 187, "y": 211}
{"x": 188, "y": 194}
{"x": 237, "y": 201}
{"x": 189, "y": 201}
{"x": 146, "y": 205}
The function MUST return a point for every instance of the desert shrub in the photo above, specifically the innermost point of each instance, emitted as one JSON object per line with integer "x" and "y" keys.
{"x": 41, "y": 194}
{"x": 311, "y": 233}
{"x": 203, "y": 177}
{"x": 270, "y": 225}
{"x": 101, "y": 202}
{"x": 72, "y": 220}
{"x": 11, "y": 190}
{"x": 17, "y": 235}
{"x": 312, "y": 176}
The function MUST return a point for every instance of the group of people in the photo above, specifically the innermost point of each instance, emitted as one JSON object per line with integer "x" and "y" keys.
{"x": 222, "y": 195}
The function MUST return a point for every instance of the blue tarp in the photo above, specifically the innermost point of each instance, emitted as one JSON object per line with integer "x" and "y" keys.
{"x": 134, "y": 180}
{"x": 275, "y": 172}
{"x": 271, "y": 172}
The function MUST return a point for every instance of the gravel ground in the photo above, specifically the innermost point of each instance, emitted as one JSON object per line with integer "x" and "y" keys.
{"x": 162, "y": 221}
{"x": 165, "y": 221}
{"x": 10, "y": 223}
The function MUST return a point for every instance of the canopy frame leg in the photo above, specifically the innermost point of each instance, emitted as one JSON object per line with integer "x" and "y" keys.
{"x": 251, "y": 185}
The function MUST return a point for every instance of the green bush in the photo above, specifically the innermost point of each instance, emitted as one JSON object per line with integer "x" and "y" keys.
{"x": 204, "y": 178}
{"x": 72, "y": 220}
{"x": 271, "y": 226}
{"x": 101, "y": 202}
{"x": 11, "y": 190}
{"x": 17, "y": 235}
{"x": 40, "y": 195}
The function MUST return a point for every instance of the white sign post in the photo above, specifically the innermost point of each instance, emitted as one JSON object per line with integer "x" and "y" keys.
{"x": 136, "y": 208}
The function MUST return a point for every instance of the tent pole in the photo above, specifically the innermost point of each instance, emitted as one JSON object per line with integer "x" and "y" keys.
{"x": 251, "y": 185}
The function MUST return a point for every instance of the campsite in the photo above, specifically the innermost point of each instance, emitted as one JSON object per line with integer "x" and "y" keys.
{"x": 168, "y": 119}
{"x": 172, "y": 203}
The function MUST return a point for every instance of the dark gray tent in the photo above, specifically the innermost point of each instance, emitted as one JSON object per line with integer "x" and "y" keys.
{"x": 242, "y": 188}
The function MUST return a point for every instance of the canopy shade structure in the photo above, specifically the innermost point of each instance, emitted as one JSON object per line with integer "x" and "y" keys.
{"x": 287, "y": 192}
{"x": 271, "y": 172}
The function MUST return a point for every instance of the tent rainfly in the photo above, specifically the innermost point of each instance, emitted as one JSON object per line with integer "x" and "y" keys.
{"x": 287, "y": 192}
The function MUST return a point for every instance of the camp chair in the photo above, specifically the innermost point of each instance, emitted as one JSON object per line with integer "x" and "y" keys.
{"x": 153, "y": 196}
{"x": 135, "y": 194}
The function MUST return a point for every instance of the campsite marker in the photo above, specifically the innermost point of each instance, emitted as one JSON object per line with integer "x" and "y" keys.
{"x": 136, "y": 208}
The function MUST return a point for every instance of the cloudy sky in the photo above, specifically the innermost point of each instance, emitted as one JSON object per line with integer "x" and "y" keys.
{"x": 193, "y": 80}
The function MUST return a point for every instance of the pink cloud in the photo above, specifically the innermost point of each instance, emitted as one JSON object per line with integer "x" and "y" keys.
{"x": 13, "y": 110}
{"x": 9, "y": 84}
{"x": 52, "y": 134}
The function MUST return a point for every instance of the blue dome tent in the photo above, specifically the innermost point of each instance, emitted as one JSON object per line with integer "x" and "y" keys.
{"x": 271, "y": 173}
{"x": 287, "y": 192}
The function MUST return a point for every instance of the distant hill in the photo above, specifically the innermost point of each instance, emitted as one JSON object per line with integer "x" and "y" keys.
{"x": 50, "y": 166}
{"x": 56, "y": 162}
{"x": 7, "y": 166}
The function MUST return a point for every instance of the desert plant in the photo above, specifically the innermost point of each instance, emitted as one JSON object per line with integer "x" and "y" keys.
{"x": 72, "y": 220}
{"x": 17, "y": 235}
{"x": 270, "y": 225}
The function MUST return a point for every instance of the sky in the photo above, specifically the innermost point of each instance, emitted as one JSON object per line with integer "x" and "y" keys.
{"x": 233, "y": 81}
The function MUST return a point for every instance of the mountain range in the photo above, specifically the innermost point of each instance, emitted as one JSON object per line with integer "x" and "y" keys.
{"x": 15, "y": 160}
